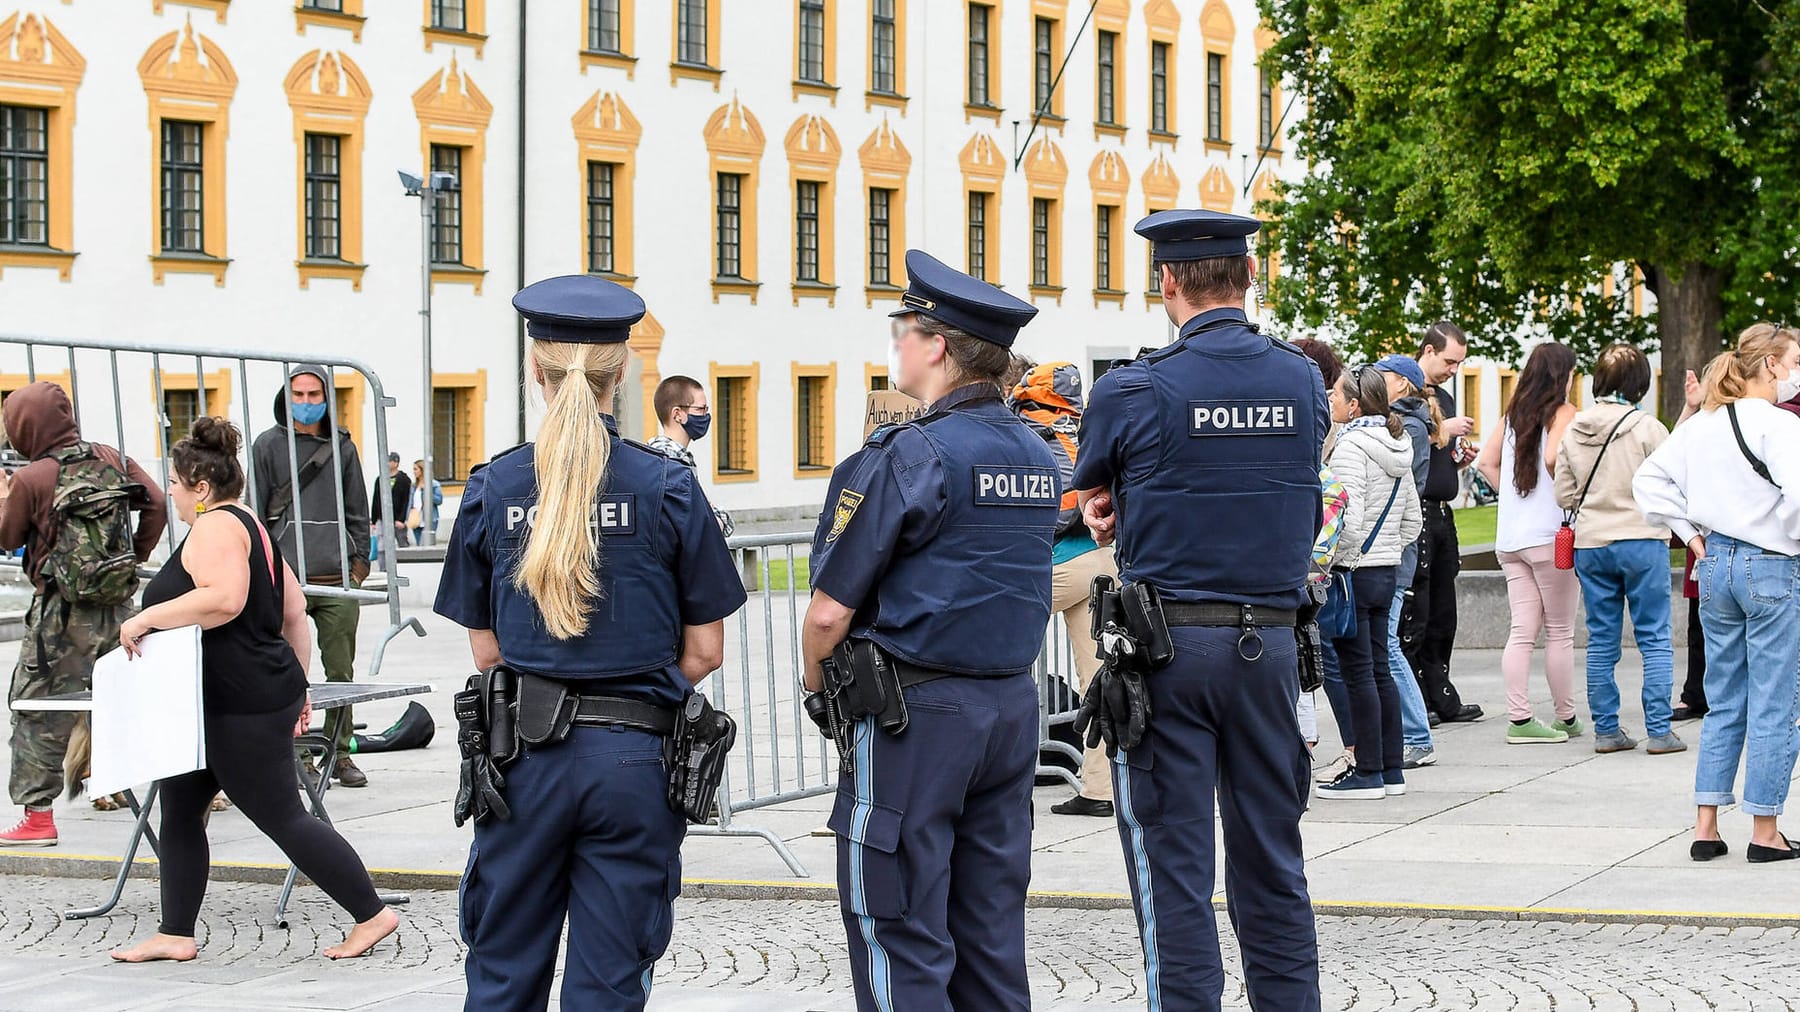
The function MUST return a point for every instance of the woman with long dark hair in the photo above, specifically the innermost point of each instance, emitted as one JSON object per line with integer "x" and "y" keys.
{"x": 1522, "y": 465}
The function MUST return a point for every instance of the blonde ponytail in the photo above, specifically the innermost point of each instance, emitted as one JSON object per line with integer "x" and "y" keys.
{"x": 561, "y": 567}
{"x": 1728, "y": 376}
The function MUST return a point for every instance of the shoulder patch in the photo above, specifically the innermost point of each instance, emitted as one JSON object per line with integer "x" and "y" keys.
{"x": 841, "y": 513}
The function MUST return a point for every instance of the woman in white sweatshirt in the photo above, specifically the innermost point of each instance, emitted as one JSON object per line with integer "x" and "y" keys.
{"x": 1728, "y": 483}
{"x": 1373, "y": 460}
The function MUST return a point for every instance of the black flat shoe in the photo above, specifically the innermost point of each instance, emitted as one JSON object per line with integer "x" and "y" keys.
{"x": 1469, "y": 714}
{"x": 1759, "y": 854}
{"x": 1683, "y": 714}
{"x": 1079, "y": 805}
{"x": 1706, "y": 850}
{"x": 1435, "y": 719}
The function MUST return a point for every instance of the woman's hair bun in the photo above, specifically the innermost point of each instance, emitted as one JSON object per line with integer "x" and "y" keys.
{"x": 217, "y": 434}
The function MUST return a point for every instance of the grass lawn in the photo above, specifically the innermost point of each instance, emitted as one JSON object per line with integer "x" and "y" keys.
{"x": 1475, "y": 525}
{"x": 781, "y": 579}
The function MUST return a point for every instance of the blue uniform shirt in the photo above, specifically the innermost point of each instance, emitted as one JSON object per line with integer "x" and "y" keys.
{"x": 663, "y": 565}
{"x": 1211, "y": 447}
{"x": 937, "y": 533}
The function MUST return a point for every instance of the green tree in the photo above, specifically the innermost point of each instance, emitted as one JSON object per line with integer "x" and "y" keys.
{"x": 1495, "y": 161}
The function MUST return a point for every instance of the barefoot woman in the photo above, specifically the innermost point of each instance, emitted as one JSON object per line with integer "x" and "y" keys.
{"x": 224, "y": 579}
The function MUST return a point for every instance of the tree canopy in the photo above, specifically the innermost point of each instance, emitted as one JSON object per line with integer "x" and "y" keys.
{"x": 1506, "y": 164}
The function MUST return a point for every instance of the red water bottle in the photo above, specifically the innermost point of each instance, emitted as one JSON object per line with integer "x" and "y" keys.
{"x": 1565, "y": 546}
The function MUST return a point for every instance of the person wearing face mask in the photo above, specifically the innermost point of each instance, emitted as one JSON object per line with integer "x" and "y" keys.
{"x": 321, "y": 524}
{"x": 682, "y": 410}
{"x": 1727, "y": 482}
{"x": 931, "y": 574}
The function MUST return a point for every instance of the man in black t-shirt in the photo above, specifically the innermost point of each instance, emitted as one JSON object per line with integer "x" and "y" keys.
{"x": 1428, "y": 621}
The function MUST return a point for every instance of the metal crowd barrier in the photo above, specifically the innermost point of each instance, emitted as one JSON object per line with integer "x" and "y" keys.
{"x": 86, "y": 363}
{"x": 780, "y": 755}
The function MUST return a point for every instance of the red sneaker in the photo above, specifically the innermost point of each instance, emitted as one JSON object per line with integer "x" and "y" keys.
{"x": 36, "y": 829}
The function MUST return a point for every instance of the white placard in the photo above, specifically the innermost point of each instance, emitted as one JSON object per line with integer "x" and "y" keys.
{"x": 147, "y": 719}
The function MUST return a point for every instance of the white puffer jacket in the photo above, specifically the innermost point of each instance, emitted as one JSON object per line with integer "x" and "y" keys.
{"x": 1369, "y": 459}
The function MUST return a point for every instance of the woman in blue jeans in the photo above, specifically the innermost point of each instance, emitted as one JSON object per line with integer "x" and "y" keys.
{"x": 1621, "y": 558}
{"x": 1728, "y": 483}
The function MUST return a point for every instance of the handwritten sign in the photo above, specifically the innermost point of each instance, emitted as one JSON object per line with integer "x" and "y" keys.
{"x": 889, "y": 407}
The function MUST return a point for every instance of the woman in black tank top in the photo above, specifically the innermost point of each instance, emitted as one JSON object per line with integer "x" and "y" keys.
{"x": 226, "y": 578}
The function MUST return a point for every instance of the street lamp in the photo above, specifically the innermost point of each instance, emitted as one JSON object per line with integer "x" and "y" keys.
{"x": 427, "y": 190}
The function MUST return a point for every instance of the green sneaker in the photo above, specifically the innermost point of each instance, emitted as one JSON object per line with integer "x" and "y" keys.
{"x": 1571, "y": 727}
{"x": 1535, "y": 732}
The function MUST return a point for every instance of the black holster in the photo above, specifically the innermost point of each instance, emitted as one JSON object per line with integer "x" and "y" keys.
{"x": 863, "y": 682}
{"x": 1128, "y": 624}
{"x": 1310, "y": 641}
{"x": 486, "y": 739}
{"x": 695, "y": 755}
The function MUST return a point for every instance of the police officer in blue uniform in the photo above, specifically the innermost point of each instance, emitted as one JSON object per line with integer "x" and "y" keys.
{"x": 589, "y": 570}
{"x": 933, "y": 556}
{"x": 1202, "y": 460}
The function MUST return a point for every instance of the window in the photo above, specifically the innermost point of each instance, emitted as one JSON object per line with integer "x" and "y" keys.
{"x": 24, "y": 175}
{"x": 1509, "y": 380}
{"x": 815, "y": 394}
{"x": 1040, "y": 242}
{"x": 451, "y": 422}
{"x": 883, "y": 39}
{"x": 1265, "y": 272}
{"x": 1265, "y": 108}
{"x": 343, "y": 14}
{"x": 691, "y": 32}
{"x": 1105, "y": 49}
{"x": 1103, "y": 247}
{"x": 184, "y": 401}
{"x": 324, "y": 188}
{"x": 812, "y": 41}
{"x": 603, "y": 27}
{"x": 1159, "y": 87}
{"x": 447, "y": 218}
{"x": 734, "y": 421}
{"x": 600, "y": 217}
{"x": 181, "y": 409}
{"x": 324, "y": 5}
{"x": 183, "y": 193}
{"x": 879, "y": 381}
{"x": 981, "y": 68}
{"x": 880, "y": 270}
{"x": 1470, "y": 404}
{"x": 1215, "y": 97}
{"x": 730, "y": 223}
{"x": 1044, "y": 64}
{"x": 806, "y": 230}
{"x": 978, "y": 214}
{"x": 450, "y": 15}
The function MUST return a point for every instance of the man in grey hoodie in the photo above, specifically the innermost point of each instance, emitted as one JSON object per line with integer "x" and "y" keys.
{"x": 326, "y": 511}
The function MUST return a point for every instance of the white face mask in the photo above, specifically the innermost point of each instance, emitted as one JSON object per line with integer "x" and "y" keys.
{"x": 1787, "y": 387}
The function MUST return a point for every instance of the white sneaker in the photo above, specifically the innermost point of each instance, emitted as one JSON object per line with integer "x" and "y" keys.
{"x": 1330, "y": 772}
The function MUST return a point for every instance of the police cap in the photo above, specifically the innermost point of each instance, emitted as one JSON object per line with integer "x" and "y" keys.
{"x": 578, "y": 309}
{"x": 1197, "y": 235}
{"x": 955, "y": 299}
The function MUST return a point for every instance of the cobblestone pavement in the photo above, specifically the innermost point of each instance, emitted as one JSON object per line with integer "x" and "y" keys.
{"x": 769, "y": 955}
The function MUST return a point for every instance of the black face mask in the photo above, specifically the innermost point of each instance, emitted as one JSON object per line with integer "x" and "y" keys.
{"x": 697, "y": 426}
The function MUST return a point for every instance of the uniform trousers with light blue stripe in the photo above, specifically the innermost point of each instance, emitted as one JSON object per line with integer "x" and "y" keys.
{"x": 934, "y": 849}
{"x": 591, "y": 839}
{"x": 1217, "y": 719}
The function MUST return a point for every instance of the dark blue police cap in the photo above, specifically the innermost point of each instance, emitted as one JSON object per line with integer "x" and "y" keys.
{"x": 955, "y": 299}
{"x": 1197, "y": 235}
{"x": 578, "y": 309}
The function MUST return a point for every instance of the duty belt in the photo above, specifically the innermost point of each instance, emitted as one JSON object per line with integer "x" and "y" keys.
{"x": 604, "y": 711}
{"x": 911, "y": 674}
{"x": 1227, "y": 616}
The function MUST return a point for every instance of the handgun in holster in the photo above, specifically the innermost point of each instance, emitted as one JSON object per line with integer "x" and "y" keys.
{"x": 868, "y": 685}
{"x": 1308, "y": 638}
{"x": 486, "y": 738}
{"x": 695, "y": 754}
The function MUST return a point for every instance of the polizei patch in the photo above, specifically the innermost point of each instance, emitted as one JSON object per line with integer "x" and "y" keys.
{"x": 614, "y": 516}
{"x": 1243, "y": 418}
{"x": 1003, "y": 485}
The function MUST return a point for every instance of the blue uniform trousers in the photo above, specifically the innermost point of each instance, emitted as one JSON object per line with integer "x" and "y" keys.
{"x": 934, "y": 849}
{"x": 591, "y": 838}
{"x": 1219, "y": 719}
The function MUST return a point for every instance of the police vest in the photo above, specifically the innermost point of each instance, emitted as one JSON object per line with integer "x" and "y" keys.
{"x": 975, "y": 598}
{"x": 634, "y": 631}
{"x": 1230, "y": 508}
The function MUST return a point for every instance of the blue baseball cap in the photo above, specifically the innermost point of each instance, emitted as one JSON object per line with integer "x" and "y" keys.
{"x": 955, "y": 299}
{"x": 1197, "y": 235}
{"x": 578, "y": 309}
{"x": 1405, "y": 367}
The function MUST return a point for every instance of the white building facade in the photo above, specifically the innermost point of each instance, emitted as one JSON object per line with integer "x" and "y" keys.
{"x": 222, "y": 173}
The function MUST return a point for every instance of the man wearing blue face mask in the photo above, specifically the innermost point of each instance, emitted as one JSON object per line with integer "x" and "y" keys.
{"x": 326, "y": 512}
{"x": 683, "y": 412}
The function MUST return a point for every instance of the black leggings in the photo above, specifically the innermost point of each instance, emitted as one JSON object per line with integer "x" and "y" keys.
{"x": 250, "y": 756}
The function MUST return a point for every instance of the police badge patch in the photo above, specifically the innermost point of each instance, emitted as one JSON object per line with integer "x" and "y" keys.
{"x": 847, "y": 503}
